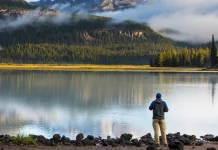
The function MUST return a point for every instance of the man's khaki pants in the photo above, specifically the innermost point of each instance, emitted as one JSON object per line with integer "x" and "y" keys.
{"x": 159, "y": 124}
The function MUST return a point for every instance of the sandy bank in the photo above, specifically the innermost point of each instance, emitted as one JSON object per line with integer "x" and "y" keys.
{"x": 88, "y": 67}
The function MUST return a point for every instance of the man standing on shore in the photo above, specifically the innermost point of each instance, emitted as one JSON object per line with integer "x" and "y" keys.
{"x": 159, "y": 107}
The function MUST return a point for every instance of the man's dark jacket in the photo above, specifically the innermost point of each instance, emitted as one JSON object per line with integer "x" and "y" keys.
{"x": 159, "y": 107}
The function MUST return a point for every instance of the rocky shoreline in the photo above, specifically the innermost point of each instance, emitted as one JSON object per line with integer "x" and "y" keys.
{"x": 175, "y": 141}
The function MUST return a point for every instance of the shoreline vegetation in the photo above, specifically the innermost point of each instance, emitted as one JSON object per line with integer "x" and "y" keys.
{"x": 103, "y": 68}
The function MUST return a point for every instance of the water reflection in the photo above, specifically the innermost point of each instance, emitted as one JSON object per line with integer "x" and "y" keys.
{"x": 213, "y": 81}
{"x": 98, "y": 103}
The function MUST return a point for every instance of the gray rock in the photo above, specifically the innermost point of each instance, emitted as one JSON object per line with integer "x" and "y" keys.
{"x": 192, "y": 138}
{"x": 147, "y": 137}
{"x": 184, "y": 140}
{"x": 126, "y": 137}
{"x": 57, "y": 138}
{"x": 6, "y": 138}
{"x": 105, "y": 143}
{"x": 151, "y": 147}
{"x": 79, "y": 137}
{"x": 210, "y": 148}
{"x": 52, "y": 142}
{"x": 65, "y": 140}
{"x": 207, "y": 137}
{"x": 135, "y": 141}
{"x": 108, "y": 137}
{"x": 214, "y": 139}
{"x": 176, "y": 145}
{"x": 90, "y": 137}
{"x": 42, "y": 139}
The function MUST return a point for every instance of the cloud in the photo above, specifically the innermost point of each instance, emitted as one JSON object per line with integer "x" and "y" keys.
{"x": 197, "y": 20}
{"x": 68, "y": 8}
{"x": 34, "y": 16}
{"x": 38, "y": 16}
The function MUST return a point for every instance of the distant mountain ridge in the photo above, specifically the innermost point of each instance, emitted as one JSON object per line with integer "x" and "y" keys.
{"x": 19, "y": 4}
{"x": 93, "y": 5}
{"x": 16, "y": 8}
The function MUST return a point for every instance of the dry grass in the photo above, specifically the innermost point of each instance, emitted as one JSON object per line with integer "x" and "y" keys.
{"x": 21, "y": 139}
{"x": 92, "y": 67}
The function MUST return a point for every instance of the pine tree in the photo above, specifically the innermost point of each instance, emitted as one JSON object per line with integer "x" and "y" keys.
{"x": 213, "y": 53}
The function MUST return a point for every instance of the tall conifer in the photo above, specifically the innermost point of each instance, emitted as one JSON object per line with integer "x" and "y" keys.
{"x": 213, "y": 53}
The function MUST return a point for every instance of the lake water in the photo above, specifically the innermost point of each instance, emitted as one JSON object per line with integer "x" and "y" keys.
{"x": 105, "y": 103}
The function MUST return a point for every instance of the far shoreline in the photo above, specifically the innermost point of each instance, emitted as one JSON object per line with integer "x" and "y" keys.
{"x": 102, "y": 68}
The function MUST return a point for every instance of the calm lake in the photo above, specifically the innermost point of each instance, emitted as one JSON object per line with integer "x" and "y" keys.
{"x": 105, "y": 103}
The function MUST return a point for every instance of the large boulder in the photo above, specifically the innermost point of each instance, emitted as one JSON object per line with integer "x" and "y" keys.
{"x": 147, "y": 139}
{"x": 125, "y": 139}
{"x": 116, "y": 141}
{"x": 135, "y": 141}
{"x": 207, "y": 137}
{"x": 42, "y": 139}
{"x": 53, "y": 142}
{"x": 90, "y": 137}
{"x": 108, "y": 137}
{"x": 176, "y": 145}
{"x": 57, "y": 138}
{"x": 105, "y": 143}
{"x": 7, "y": 138}
{"x": 214, "y": 139}
{"x": 192, "y": 138}
{"x": 184, "y": 140}
{"x": 210, "y": 148}
{"x": 79, "y": 137}
{"x": 65, "y": 140}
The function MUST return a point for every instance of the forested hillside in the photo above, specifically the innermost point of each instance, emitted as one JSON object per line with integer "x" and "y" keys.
{"x": 88, "y": 40}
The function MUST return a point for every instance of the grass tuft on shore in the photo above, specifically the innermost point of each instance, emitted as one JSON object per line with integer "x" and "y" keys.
{"x": 98, "y": 67}
{"x": 21, "y": 139}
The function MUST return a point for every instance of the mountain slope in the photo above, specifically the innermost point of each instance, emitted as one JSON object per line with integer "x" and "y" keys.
{"x": 91, "y": 5}
{"x": 78, "y": 40}
{"x": 18, "y": 4}
{"x": 91, "y": 31}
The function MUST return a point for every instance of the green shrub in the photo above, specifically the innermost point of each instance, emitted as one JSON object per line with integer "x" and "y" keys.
{"x": 21, "y": 139}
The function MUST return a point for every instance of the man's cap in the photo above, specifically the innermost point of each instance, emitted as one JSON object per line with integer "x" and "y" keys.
{"x": 158, "y": 95}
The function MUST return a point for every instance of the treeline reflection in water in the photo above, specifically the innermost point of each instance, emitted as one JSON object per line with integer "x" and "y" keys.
{"x": 98, "y": 103}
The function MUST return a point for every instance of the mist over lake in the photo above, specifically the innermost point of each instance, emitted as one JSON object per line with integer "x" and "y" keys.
{"x": 105, "y": 103}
